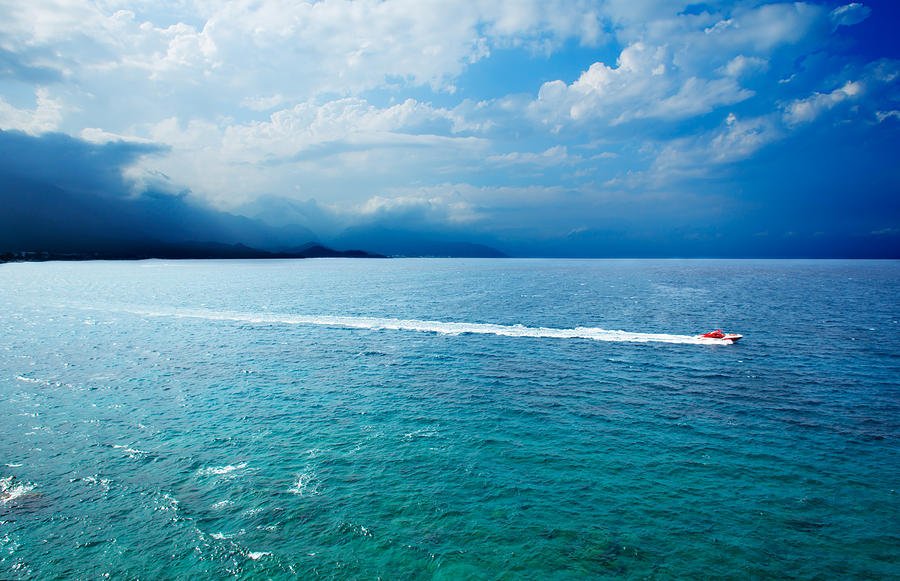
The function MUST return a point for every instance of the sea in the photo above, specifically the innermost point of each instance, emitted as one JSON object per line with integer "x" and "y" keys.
{"x": 446, "y": 419}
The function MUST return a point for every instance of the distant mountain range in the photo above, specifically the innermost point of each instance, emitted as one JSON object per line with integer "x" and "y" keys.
{"x": 396, "y": 242}
{"x": 188, "y": 250}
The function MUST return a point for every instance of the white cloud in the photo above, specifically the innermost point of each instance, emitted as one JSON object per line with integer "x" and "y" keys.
{"x": 536, "y": 211}
{"x": 639, "y": 87}
{"x": 805, "y": 110}
{"x": 485, "y": 200}
{"x": 883, "y": 71}
{"x": 719, "y": 31}
{"x": 97, "y": 135}
{"x": 441, "y": 205}
{"x": 45, "y": 116}
{"x": 740, "y": 139}
{"x": 884, "y": 115}
{"x": 342, "y": 149}
{"x": 734, "y": 140}
{"x": 297, "y": 48}
{"x": 450, "y": 205}
{"x": 872, "y": 87}
{"x": 849, "y": 14}
{"x": 675, "y": 65}
{"x": 349, "y": 120}
{"x": 765, "y": 27}
{"x": 287, "y": 97}
{"x": 554, "y": 156}
{"x": 36, "y": 23}
{"x": 742, "y": 65}
{"x": 698, "y": 96}
{"x": 427, "y": 209}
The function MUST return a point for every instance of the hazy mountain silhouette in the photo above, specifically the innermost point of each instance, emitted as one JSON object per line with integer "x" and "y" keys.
{"x": 61, "y": 195}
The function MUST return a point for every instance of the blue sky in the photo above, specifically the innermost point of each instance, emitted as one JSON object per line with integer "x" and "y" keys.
{"x": 577, "y": 128}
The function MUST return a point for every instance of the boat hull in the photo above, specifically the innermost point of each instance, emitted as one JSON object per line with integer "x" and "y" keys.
{"x": 730, "y": 337}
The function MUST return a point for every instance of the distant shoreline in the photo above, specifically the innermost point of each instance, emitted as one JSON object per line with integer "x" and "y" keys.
{"x": 199, "y": 252}
{"x": 41, "y": 256}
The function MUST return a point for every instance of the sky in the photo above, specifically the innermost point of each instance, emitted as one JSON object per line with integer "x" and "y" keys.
{"x": 538, "y": 127}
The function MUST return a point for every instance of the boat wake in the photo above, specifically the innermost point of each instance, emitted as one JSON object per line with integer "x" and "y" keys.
{"x": 440, "y": 327}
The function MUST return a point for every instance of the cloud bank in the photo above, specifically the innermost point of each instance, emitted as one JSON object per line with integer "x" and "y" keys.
{"x": 508, "y": 123}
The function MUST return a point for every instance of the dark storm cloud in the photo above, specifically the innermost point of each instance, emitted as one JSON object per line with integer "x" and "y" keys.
{"x": 63, "y": 194}
{"x": 69, "y": 163}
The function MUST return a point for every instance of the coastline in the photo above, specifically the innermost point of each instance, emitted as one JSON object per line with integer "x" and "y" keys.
{"x": 187, "y": 252}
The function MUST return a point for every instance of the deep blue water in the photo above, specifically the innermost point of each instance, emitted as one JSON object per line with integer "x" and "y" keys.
{"x": 449, "y": 419}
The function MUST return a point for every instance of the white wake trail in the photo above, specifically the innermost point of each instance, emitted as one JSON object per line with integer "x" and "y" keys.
{"x": 441, "y": 327}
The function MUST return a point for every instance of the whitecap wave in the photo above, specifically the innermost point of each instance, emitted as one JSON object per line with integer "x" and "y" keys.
{"x": 305, "y": 485}
{"x": 46, "y": 382}
{"x": 439, "y": 327}
{"x": 130, "y": 452}
{"x": 220, "y": 470}
{"x": 226, "y": 536}
{"x": 10, "y": 489}
{"x": 95, "y": 479}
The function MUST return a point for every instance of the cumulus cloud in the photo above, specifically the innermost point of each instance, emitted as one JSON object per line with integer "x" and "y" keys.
{"x": 678, "y": 65}
{"x": 301, "y": 48}
{"x": 863, "y": 93}
{"x": 806, "y": 110}
{"x": 365, "y": 44}
{"x": 640, "y": 86}
{"x": 311, "y": 122}
{"x": 344, "y": 146}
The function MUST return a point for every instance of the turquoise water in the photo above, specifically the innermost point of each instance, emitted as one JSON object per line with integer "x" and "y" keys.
{"x": 449, "y": 419}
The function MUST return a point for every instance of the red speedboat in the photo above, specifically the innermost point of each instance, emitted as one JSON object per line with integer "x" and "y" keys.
{"x": 718, "y": 334}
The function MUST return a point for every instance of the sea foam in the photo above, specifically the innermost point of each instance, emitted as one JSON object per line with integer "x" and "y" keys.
{"x": 11, "y": 490}
{"x": 221, "y": 470}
